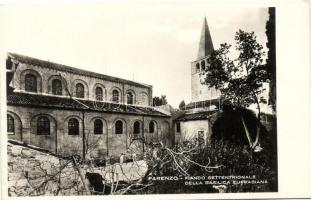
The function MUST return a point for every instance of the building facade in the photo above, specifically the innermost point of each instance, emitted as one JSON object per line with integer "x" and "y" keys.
{"x": 72, "y": 111}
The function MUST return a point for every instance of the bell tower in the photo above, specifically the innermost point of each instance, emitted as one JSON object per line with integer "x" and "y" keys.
{"x": 200, "y": 92}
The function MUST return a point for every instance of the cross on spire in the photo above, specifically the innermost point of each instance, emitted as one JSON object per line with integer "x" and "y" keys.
{"x": 206, "y": 43}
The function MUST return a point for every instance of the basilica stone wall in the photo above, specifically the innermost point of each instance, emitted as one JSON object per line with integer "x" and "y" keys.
{"x": 37, "y": 78}
{"x": 142, "y": 94}
{"x": 100, "y": 145}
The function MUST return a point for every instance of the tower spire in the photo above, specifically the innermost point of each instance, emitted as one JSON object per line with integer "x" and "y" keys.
{"x": 206, "y": 43}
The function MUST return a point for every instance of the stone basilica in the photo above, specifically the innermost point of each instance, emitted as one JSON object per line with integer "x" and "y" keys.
{"x": 70, "y": 111}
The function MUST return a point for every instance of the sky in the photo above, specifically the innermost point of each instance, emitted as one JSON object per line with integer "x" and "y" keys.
{"x": 151, "y": 43}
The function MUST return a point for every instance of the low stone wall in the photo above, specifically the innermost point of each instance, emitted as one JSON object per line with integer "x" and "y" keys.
{"x": 34, "y": 173}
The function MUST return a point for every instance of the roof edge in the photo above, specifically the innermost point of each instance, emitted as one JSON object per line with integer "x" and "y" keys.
{"x": 61, "y": 67}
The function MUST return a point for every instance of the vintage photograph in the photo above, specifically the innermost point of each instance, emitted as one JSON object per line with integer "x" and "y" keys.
{"x": 140, "y": 98}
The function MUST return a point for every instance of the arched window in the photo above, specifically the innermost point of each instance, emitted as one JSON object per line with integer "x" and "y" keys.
{"x": 151, "y": 127}
{"x": 197, "y": 68}
{"x": 130, "y": 98}
{"x": 43, "y": 126}
{"x": 79, "y": 90}
{"x": 119, "y": 127}
{"x": 73, "y": 127}
{"x": 30, "y": 83}
{"x": 136, "y": 128}
{"x": 178, "y": 127}
{"x": 203, "y": 65}
{"x": 99, "y": 93}
{"x": 115, "y": 96}
{"x": 98, "y": 127}
{"x": 10, "y": 124}
{"x": 57, "y": 88}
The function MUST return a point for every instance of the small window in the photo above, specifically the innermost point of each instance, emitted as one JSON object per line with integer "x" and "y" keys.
{"x": 136, "y": 128}
{"x": 79, "y": 90}
{"x": 57, "y": 87}
{"x": 197, "y": 68}
{"x": 119, "y": 127}
{"x": 178, "y": 127}
{"x": 99, "y": 93}
{"x": 10, "y": 124}
{"x": 203, "y": 65}
{"x": 115, "y": 96}
{"x": 130, "y": 98}
{"x": 30, "y": 83}
{"x": 98, "y": 127}
{"x": 73, "y": 127}
{"x": 151, "y": 127}
{"x": 43, "y": 126}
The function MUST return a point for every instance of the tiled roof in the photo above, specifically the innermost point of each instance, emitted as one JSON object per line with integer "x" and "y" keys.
{"x": 60, "y": 67}
{"x": 35, "y": 100}
{"x": 196, "y": 116}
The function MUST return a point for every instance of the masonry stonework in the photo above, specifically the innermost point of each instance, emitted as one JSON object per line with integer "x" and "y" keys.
{"x": 41, "y": 108}
{"x": 142, "y": 95}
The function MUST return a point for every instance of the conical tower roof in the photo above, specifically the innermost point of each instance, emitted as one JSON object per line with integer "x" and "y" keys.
{"x": 206, "y": 44}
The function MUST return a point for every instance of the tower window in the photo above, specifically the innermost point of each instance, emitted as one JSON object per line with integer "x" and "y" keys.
{"x": 151, "y": 127}
{"x": 115, "y": 96}
{"x": 130, "y": 98}
{"x": 99, "y": 93}
{"x": 119, "y": 127}
{"x": 98, "y": 127}
{"x": 203, "y": 65}
{"x": 197, "y": 67}
{"x": 73, "y": 127}
{"x": 10, "y": 124}
{"x": 57, "y": 87}
{"x": 79, "y": 90}
{"x": 30, "y": 83}
{"x": 43, "y": 126}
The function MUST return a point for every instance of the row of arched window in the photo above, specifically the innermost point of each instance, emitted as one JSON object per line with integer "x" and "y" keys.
{"x": 31, "y": 83}
{"x": 44, "y": 126}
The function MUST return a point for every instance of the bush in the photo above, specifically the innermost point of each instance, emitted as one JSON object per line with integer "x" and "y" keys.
{"x": 234, "y": 159}
{"x": 239, "y": 161}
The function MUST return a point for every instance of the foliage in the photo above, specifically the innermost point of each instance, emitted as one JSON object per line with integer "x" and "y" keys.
{"x": 239, "y": 80}
{"x": 159, "y": 101}
{"x": 219, "y": 158}
{"x": 228, "y": 125}
{"x": 182, "y": 105}
{"x": 240, "y": 160}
